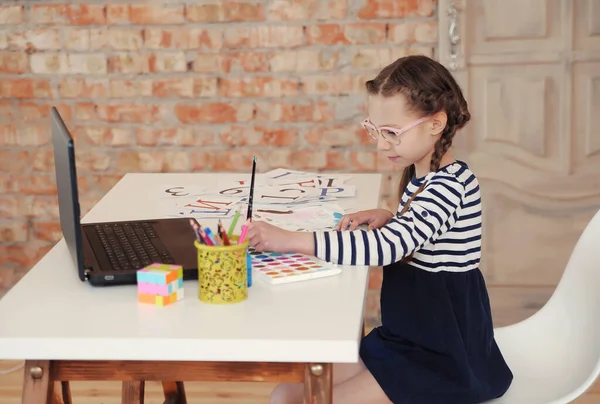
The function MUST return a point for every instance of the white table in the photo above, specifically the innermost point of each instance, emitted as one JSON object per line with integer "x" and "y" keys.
{"x": 51, "y": 317}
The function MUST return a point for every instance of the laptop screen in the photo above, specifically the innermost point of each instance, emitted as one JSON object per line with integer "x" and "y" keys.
{"x": 66, "y": 183}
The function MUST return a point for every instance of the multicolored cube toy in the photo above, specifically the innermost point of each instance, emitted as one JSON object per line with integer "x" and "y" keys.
{"x": 160, "y": 284}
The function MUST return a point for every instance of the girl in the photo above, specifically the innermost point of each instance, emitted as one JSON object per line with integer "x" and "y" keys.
{"x": 436, "y": 343}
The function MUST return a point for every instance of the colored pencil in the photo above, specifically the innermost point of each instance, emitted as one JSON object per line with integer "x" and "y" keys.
{"x": 206, "y": 237}
{"x": 194, "y": 225}
{"x": 223, "y": 233}
{"x": 244, "y": 231}
{"x": 233, "y": 223}
{"x": 251, "y": 195}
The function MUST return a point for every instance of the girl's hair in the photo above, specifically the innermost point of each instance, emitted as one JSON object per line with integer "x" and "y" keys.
{"x": 428, "y": 88}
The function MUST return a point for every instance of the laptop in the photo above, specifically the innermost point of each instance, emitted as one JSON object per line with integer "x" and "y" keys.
{"x": 110, "y": 253}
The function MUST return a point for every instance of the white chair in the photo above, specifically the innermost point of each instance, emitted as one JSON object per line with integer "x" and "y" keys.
{"x": 555, "y": 354}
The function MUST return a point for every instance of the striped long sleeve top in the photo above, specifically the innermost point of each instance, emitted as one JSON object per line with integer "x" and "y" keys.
{"x": 441, "y": 228}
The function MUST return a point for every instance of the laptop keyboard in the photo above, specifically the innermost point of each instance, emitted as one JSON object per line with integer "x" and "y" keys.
{"x": 129, "y": 245}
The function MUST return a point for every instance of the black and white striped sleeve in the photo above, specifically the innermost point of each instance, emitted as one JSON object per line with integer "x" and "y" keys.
{"x": 432, "y": 210}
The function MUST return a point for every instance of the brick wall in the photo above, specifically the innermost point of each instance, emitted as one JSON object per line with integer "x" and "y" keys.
{"x": 187, "y": 87}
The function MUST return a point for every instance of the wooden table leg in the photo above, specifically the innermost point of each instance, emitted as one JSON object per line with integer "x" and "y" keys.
{"x": 38, "y": 388}
{"x": 174, "y": 393}
{"x": 318, "y": 383}
{"x": 133, "y": 392}
{"x": 66, "y": 393}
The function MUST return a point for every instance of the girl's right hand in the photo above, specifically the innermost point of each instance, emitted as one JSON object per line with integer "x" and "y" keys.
{"x": 375, "y": 218}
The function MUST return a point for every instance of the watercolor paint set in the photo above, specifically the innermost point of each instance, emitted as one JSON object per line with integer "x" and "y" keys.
{"x": 278, "y": 268}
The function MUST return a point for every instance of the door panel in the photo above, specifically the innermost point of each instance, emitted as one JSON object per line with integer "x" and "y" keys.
{"x": 530, "y": 71}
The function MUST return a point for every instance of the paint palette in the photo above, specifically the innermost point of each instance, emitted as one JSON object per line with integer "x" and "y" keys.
{"x": 276, "y": 268}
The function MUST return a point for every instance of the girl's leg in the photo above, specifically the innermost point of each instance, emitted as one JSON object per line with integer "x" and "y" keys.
{"x": 362, "y": 388}
{"x": 293, "y": 393}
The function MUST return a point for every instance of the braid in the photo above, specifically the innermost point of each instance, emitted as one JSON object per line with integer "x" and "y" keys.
{"x": 440, "y": 148}
{"x": 428, "y": 88}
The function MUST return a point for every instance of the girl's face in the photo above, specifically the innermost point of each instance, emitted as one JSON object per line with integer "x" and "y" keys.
{"x": 410, "y": 137}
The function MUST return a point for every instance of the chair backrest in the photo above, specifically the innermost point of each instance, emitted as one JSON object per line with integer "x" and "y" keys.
{"x": 571, "y": 317}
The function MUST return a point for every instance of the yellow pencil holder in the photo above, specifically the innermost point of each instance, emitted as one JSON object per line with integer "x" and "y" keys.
{"x": 222, "y": 273}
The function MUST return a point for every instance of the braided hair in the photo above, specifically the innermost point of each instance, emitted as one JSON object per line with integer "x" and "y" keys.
{"x": 428, "y": 88}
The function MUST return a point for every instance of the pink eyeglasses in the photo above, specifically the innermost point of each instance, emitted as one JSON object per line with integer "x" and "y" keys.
{"x": 389, "y": 134}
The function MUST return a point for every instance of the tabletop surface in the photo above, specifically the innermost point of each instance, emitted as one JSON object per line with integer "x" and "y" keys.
{"x": 51, "y": 314}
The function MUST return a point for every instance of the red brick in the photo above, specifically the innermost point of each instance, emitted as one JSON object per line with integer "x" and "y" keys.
{"x": 124, "y": 88}
{"x": 11, "y": 15}
{"x": 39, "y": 110}
{"x": 118, "y": 14}
{"x": 303, "y": 60}
{"x": 93, "y": 160}
{"x": 175, "y": 136}
{"x": 9, "y": 204}
{"x": 86, "y": 14}
{"x": 125, "y": 39}
{"x": 318, "y": 160}
{"x": 36, "y": 184}
{"x": 173, "y": 87}
{"x": 308, "y": 10}
{"x": 334, "y": 135}
{"x": 32, "y": 40}
{"x": 294, "y": 111}
{"x": 225, "y": 11}
{"x": 13, "y": 161}
{"x": 167, "y": 62}
{"x": 41, "y": 207}
{"x": 203, "y": 160}
{"x": 105, "y": 135}
{"x": 153, "y": 161}
{"x": 43, "y": 160}
{"x": 129, "y": 112}
{"x": 264, "y": 36}
{"x": 238, "y": 160}
{"x": 183, "y": 38}
{"x": 49, "y": 14}
{"x": 24, "y": 255}
{"x": 145, "y": 14}
{"x": 231, "y": 62}
{"x": 8, "y": 111}
{"x": 78, "y": 39}
{"x": 80, "y": 87}
{"x": 46, "y": 63}
{"x": 214, "y": 112}
{"x": 371, "y": 58}
{"x": 74, "y": 63}
{"x": 392, "y": 9}
{"x": 258, "y": 87}
{"x": 13, "y": 231}
{"x": 97, "y": 183}
{"x": 258, "y": 136}
{"x": 205, "y": 87}
{"x": 85, "y": 111}
{"x": 363, "y": 161}
{"x": 47, "y": 231}
{"x": 414, "y": 31}
{"x": 129, "y": 63}
{"x": 333, "y": 84}
{"x": 83, "y": 39}
{"x": 353, "y": 33}
{"x": 14, "y": 62}
{"x": 25, "y": 88}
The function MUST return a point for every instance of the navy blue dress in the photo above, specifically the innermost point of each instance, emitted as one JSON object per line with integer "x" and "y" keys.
{"x": 436, "y": 343}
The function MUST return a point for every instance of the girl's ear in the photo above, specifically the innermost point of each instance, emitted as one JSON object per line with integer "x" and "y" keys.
{"x": 438, "y": 123}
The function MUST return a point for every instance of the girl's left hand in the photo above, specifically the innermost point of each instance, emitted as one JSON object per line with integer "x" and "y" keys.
{"x": 263, "y": 236}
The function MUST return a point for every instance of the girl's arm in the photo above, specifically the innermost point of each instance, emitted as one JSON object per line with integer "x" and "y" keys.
{"x": 431, "y": 211}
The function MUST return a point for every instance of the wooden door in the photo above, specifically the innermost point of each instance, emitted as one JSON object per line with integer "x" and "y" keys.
{"x": 530, "y": 71}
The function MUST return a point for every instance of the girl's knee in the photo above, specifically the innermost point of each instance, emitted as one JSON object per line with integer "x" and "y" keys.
{"x": 288, "y": 393}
